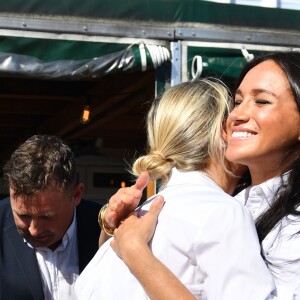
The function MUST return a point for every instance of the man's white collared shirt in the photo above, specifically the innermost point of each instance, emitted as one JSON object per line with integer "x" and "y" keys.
{"x": 60, "y": 268}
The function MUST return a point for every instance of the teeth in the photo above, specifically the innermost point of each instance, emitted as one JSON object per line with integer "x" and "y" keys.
{"x": 240, "y": 134}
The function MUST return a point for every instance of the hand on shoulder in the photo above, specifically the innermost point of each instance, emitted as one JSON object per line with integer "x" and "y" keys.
{"x": 134, "y": 234}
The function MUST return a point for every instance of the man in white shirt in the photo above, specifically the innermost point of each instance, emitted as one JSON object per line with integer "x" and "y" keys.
{"x": 48, "y": 234}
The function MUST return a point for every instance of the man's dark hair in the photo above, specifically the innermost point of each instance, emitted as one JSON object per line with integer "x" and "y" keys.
{"x": 41, "y": 162}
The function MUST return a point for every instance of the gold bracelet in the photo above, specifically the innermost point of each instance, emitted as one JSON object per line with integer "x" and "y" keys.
{"x": 108, "y": 231}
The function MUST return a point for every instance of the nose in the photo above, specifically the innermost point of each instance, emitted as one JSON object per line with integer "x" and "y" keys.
{"x": 34, "y": 228}
{"x": 239, "y": 114}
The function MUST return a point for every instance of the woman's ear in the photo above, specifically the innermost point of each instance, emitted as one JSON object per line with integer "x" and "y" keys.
{"x": 224, "y": 134}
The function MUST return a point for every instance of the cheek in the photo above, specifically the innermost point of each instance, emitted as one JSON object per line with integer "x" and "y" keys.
{"x": 287, "y": 128}
{"x": 22, "y": 223}
{"x": 60, "y": 226}
{"x": 269, "y": 121}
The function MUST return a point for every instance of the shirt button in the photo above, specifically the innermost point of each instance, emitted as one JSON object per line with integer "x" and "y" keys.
{"x": 259, "y": 191}
{"x": 252, "y": 211}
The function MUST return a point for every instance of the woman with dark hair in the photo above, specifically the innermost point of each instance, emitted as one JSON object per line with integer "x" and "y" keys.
{"x": 287, "y": 198}
{"x": 264, "y": 134}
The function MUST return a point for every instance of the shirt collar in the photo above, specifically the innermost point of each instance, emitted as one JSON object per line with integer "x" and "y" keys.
{"x": 70, "y": 232}
{"x": 258, "y": 198}
{"x": 266, "y": 189}
{"x": 179, "y": 177}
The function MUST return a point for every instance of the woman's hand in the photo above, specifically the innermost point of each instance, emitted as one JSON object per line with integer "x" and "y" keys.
{"x": 125, "y": 201}
{"x": 122, "y": 204}
{"x": 134, "y": 233}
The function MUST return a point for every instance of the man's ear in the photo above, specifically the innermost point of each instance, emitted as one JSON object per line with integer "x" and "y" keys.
{"x": 77, "y": 193}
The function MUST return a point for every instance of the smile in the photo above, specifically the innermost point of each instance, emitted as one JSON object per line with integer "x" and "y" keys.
{"x": 242, "y": 134}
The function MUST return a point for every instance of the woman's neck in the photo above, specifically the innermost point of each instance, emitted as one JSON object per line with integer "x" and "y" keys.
{"x": 222, "y": 178}
{"x": 263, "y": 171}
{"x": 260, "y": 174}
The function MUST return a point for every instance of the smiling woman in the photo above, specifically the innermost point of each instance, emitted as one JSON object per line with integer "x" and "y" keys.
{"x": 264, "y": 133}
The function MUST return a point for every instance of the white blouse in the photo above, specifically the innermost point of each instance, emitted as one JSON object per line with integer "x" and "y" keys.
{"x": 282, "y": 245}
{"x": 205, "y": 237}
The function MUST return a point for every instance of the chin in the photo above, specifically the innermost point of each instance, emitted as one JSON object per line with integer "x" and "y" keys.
{"x": 237, "y": 158}
{"x": 41, "y": 244}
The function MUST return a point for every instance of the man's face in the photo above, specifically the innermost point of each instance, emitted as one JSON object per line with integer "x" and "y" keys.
{"x": 44, "y": 218}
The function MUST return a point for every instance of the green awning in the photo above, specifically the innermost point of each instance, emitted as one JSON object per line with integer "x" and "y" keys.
{"x": 160, "y": 11}
{"x": 223, "y": 63}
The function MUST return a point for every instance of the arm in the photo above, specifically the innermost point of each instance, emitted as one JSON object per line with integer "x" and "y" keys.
{"x": 131, "y": 244}
{"x": 121, "y": 204}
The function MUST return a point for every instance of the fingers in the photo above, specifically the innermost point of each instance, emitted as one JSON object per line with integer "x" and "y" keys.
{"x": 123, "y": 195}
{"x": 157, "y": 205}
{"x": 142, "y": 181}
{"x": 129, "y": 197}
{"x": 125, "y": 201}
{"x": 150, "y": 218}
{"x": 111, "y": 218}
{"x": 133, "y": 194}
{"x": 134, "y": 232}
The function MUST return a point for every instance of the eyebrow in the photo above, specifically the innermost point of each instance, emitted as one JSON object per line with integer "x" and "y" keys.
{"x": 24, "y": 213}
{"x": 19, "y": 212}
{"x": 256, "y": 92}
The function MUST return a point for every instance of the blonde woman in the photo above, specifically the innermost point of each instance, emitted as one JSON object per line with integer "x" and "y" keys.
{"x": 204, "y": 236}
